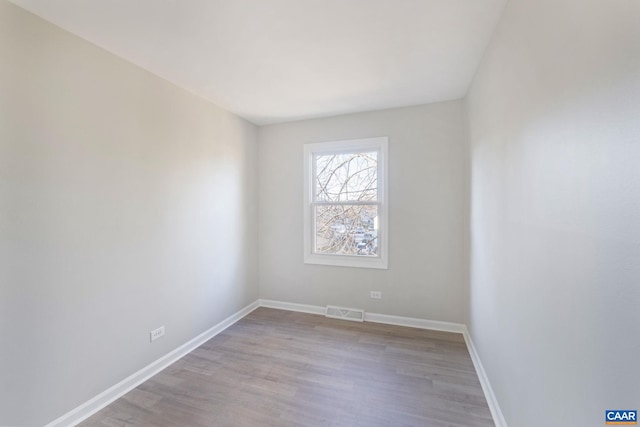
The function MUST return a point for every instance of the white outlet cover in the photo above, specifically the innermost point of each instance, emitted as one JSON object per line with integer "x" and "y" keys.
{"x": 156, "y": 333}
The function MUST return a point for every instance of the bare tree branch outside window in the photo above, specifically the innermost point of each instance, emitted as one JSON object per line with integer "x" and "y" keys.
{"x": 346, "y": 203}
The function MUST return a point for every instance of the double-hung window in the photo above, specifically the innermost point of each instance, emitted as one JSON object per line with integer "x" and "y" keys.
{"x": 345, "y": 203}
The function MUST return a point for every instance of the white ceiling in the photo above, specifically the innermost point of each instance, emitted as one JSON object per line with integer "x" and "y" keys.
{"x": 280, "y": 60}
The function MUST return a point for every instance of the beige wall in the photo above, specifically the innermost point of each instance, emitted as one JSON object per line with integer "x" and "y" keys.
{"x": 427, "y": 216}
{"x": 125, "y": 204}
{"x": 554, "y": 121}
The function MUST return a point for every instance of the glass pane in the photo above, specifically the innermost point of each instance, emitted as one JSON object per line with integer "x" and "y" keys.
{"x": 346, "y": 177}
{"x": 347, "y": 230}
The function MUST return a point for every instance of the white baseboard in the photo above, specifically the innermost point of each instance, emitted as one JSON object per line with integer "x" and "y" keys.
{"x": 84, "y": 411}
{"x": 292, "y": 306}
{"x": 492, "y": 401}
{"x": 496, "y": 413}
{"x": 371, "y": 317}
{"x": 434, "y": 325}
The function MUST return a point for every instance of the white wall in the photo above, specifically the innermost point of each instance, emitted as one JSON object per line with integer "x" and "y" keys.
{"x": 426, "y": 275}
{"x": 125, "y": 204}
{"x": 554, "y": 123}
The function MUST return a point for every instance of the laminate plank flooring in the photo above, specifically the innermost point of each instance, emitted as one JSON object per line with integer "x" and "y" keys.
{"x": 282, "y": 368}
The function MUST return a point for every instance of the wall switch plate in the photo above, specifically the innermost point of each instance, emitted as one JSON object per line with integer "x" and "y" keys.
{"x": 376, "y": 294}
{"x": 157, "y": 333}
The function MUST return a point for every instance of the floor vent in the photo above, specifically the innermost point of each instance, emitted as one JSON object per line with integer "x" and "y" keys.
{"x": 353, "y": 314}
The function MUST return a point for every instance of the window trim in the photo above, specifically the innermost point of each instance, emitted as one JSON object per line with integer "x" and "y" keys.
{"x": 379, "y": 144}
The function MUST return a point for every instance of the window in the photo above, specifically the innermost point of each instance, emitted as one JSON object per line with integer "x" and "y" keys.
{"x": 345, "y": 203}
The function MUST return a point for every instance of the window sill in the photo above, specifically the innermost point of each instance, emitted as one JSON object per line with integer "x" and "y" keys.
{"x": 346, "y": 261}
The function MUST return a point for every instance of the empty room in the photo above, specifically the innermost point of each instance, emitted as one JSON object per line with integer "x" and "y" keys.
{"x": 319, "y": 213}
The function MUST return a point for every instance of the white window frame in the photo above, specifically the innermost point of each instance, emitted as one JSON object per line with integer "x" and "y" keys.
{"x": 381, "y": 260}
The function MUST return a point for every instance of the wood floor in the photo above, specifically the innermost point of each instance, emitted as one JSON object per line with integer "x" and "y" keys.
{"x": 281, "y": 368}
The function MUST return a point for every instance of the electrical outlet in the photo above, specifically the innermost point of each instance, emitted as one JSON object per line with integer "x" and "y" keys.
{"x": 376, "y": 294}
{"x": 157, "y": 333}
